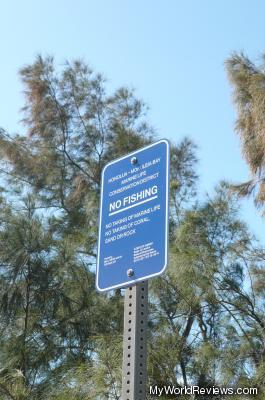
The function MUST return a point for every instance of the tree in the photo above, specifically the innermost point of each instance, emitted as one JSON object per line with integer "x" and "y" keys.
{"x": 63, "y": 340}
{"x": 208, "y": 324}
{"x": 247, "y": 80}
{"x": 73, "y": 128}
{"x": 53, "y": 180}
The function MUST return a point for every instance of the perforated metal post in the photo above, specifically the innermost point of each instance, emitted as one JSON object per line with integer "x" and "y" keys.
{"x": 134, "y": 342}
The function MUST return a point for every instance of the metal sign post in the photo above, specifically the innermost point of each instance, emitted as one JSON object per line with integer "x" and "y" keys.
{"x": 134, "y": 342}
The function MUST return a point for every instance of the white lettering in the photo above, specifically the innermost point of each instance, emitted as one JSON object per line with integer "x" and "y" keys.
{"x": 115, "y": 205}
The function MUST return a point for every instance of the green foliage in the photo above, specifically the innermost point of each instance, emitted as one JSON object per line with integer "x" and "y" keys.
{"x": 248, "y": 80}
{"x": 208, "y": 319}
{"x": 59, "y": 338}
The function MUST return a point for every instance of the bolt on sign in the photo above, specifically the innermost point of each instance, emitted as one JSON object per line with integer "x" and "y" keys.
{"x": 133, "y": 220}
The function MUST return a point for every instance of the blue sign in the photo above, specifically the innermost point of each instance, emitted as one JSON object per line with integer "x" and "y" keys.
{"x": 133, "y": 223}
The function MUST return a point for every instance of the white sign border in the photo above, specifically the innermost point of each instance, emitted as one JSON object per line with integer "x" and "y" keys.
{"x": 132, "y": 282}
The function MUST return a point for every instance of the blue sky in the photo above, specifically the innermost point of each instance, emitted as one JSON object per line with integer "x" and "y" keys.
{"x": 172, "y": 52}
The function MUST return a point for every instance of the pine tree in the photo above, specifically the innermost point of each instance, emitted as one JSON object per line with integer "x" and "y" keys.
{"x": 72, "y": 129}
{"x": 208, "y": 319}
{"x": 247, "y": 80}
{"x": 60, "y": 339}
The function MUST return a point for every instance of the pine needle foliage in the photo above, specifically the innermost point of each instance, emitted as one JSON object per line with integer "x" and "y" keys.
{"x": 247, "y": 80}
{"x": 59, "y": 338}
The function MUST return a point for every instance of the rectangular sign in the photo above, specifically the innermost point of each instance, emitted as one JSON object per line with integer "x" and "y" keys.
{"x": 133, "y": 222}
